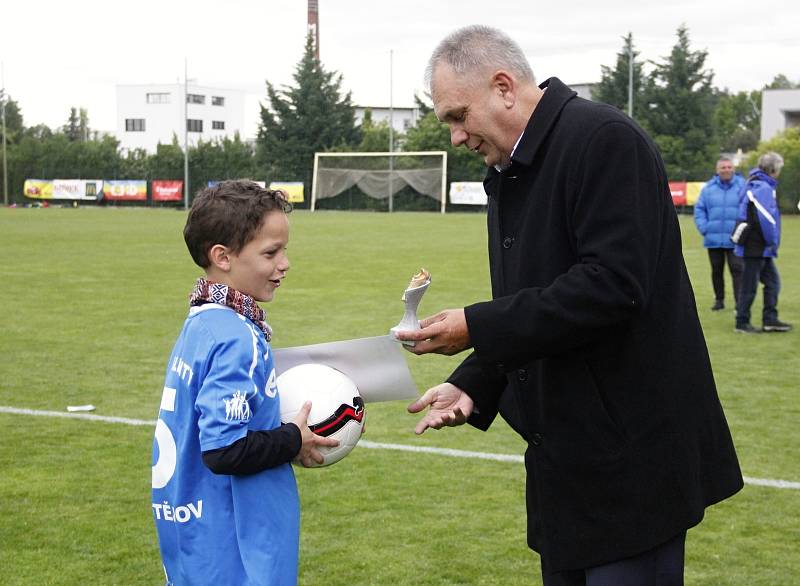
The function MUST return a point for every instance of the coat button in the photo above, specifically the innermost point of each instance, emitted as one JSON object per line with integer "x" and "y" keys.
{"x": 536, "y": 439}
{"x": 522, "y": 374}
{"x": 501, "y": 368}
{"x": 508, "y": 241}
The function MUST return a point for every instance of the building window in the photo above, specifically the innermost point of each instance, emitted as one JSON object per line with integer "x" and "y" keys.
{"x": 406, "y": 123}
{"x": 195, "y": 99}
{"x": 217, "y": 101}
{"x": 134, "y": 124}
{"x": 158, "y": 98}
{"x": 194, "y": 125}
{"x": 218, "y": 124}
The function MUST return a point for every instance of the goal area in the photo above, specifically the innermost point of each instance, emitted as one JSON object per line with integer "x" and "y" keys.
{"x": 384, "y": 181}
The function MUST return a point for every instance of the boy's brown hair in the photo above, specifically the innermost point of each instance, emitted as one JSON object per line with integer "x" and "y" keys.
{"x": 230, "y": 213}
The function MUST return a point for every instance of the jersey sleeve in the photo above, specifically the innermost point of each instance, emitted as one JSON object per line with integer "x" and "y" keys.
{"x": 227, "y": 394}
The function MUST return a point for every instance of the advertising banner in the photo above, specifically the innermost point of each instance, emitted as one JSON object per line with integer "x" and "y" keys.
{"x": 693, "y": 189}
{"x": 164, "y": 190}
{"x": 77, "y": 188}
{"x": 294, "y": 189}
{"x": 38, "y": 189}
{"x": 261, "y": 184}
{"x": 678, "y": 191}
{"x": 125, "y": 190}
{"x": 467, "y": 192}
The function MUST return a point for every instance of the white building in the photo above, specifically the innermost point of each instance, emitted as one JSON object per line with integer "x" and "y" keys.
{"x": 780, "y": 109}
{"x": 148, "y": 114}
{"x": 403, "y": 117}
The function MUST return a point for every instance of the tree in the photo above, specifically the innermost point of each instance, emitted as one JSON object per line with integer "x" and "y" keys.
{"x": 787, "y": 145}
{"x": 781, "y": 82}
{"x": 613, "y": 86}
{"x": 72, "y": 129}
{"x": 14, "y": 122}
{"x": 312, "y": 115}
{"x": 375, "y": 137}
{"x": 737, "y": 119}
{"x": 679, "y": 111}
{"x": 431, "y": 135}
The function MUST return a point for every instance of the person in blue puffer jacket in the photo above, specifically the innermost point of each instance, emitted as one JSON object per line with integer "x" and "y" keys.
{"x": 757, "y": 236}
{"x": 715, "y": 216}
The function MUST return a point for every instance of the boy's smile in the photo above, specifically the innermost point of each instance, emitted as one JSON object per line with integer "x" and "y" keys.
{"x": 260, "y": 266}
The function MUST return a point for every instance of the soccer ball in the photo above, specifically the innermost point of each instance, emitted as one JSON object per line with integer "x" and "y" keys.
{"x": 337, "y": 409}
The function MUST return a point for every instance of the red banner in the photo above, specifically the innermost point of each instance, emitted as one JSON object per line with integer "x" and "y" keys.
{"x": 167, "y": 190}
{"x": 678, "y": 191}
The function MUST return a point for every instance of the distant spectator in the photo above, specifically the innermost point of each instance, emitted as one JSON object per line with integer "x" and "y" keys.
{"x": 757, "y": 236}
{"x": 715, "y": 216}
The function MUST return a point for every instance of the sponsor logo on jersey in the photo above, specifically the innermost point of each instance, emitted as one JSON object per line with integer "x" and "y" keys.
{"x": 180, "y": 514}
{"x": 237, "y": 408}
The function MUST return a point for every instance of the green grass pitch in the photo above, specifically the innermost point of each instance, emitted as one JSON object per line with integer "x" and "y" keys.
{"x": 92, "y": 302}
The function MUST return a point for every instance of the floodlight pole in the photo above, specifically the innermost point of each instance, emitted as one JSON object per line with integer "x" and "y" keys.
{"x": 185, "y": 133}
{"x": 391, "y": 130}
{"x": 3, "y": 109}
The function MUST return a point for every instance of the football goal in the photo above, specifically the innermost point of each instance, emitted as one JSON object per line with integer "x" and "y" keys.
{"x": 380, "y": 181}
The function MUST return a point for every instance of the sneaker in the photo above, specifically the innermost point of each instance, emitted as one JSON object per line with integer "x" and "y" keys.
{"x": 745, "y": 329}
{"x": 718, "y": 304}
{"x": 777, "y": 326}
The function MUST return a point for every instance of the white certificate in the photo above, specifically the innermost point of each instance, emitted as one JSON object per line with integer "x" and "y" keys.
{"x": 376, "y": 365}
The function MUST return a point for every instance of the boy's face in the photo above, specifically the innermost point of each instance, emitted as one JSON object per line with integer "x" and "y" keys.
{"x": 260, "y": 266}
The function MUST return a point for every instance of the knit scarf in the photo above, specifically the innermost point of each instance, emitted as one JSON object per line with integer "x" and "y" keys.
{"x": 206, "y": 291}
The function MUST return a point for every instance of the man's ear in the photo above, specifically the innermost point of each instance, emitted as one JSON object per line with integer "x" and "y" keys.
{"x": 505, "y": 85}
{"x": 219, "y": 256}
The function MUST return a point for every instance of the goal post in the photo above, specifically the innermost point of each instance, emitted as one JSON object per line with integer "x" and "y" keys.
{"x": 380, "y": 175}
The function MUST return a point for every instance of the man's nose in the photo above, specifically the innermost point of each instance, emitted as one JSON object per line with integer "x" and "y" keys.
{"x": 458, "y": 136}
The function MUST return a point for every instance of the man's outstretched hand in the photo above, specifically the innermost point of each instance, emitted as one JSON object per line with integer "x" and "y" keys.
{"x": 448, "y": 406}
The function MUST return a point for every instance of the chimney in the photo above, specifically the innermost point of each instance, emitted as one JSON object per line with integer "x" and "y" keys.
{"x": 313, "y": 24}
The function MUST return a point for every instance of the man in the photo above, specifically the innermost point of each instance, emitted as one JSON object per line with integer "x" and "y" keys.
{"x": 715, "y": 216}
{"x": 757, "y": 237}
{"x": 591, "y": 347}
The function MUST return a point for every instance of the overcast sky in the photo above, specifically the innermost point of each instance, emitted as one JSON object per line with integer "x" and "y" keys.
{"x": 60, "y": 54}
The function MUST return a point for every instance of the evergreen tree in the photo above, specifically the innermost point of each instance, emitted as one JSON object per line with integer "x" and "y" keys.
{"x": 680, "y": 103}
{"x": 431, "y": 135}
{"x": 375, "y": 137}
{"x": 781, "y": 82}
{"x": 737, "y": 119}
{"x": 14, "y": 122}
{"x": 312, "y": 115}
{"x": 72, "y": 129}
{"x": 613, "y": 86}
{"x": 83, "y": 124}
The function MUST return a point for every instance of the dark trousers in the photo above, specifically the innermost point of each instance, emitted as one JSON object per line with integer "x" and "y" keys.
{"x": 660, "y": 566}
{"x": 755, "y": 270}
{"x": 717, "y": 257}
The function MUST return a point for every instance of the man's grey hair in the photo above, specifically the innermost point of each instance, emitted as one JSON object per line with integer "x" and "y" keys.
{"x": 725, "y": 158}
{"x": 770, "y": 162}
{"x": 477, "y": 47}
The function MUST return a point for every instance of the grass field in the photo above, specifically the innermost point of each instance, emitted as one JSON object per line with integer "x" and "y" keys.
{"x": 93, "y": 299}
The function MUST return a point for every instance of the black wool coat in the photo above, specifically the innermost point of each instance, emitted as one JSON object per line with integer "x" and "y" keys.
{"x": 591, "y": 347}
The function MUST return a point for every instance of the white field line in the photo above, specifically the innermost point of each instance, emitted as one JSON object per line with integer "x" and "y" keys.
{"x": 769, "y": 482}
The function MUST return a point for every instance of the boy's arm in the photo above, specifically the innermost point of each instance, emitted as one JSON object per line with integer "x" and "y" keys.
{"x": 256, "y": 452}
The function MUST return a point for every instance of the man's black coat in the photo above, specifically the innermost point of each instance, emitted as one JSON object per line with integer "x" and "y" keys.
{"x": 591, "y": 347}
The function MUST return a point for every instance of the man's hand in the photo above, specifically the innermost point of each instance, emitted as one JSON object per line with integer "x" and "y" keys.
{"x": 443, "y": 333}
{"x": 449, "y": 406}
{"x": 308, "y": 450}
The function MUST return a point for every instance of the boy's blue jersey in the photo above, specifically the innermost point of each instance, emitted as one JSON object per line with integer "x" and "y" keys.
{"x": 220, "y": 529}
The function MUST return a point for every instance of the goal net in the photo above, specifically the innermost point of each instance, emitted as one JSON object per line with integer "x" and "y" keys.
{"x": 380, "y": 181}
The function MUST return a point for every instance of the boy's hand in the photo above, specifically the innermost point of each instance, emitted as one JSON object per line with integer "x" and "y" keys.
{"x": 308, "y": 450}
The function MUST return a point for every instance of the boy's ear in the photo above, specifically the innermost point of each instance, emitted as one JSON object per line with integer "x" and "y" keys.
{"x": 220, "y": 257}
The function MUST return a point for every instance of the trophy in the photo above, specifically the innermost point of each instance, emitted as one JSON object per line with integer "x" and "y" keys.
{"x": 411, "y": 297}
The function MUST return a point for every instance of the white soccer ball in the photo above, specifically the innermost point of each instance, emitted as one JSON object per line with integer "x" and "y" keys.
{"x": 337, "y": 409}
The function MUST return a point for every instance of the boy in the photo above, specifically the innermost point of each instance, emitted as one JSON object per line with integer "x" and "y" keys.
{"x": 224, "y": 494}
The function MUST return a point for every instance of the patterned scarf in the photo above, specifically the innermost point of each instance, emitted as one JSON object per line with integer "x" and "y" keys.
{"x": 206, "y": 291}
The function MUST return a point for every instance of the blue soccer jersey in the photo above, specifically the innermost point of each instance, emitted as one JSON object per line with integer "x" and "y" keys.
{"x": 220, "y": 529}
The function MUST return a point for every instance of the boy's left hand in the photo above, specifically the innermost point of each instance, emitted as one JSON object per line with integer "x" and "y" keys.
{"x": 308, "y": 450}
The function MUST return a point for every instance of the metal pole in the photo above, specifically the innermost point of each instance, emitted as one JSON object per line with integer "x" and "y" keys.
{"x": 3, "y": 108}
{"x": 630, "y": 77}
{"x": 185, "y": 133}
{"x": 391, "y": 130}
